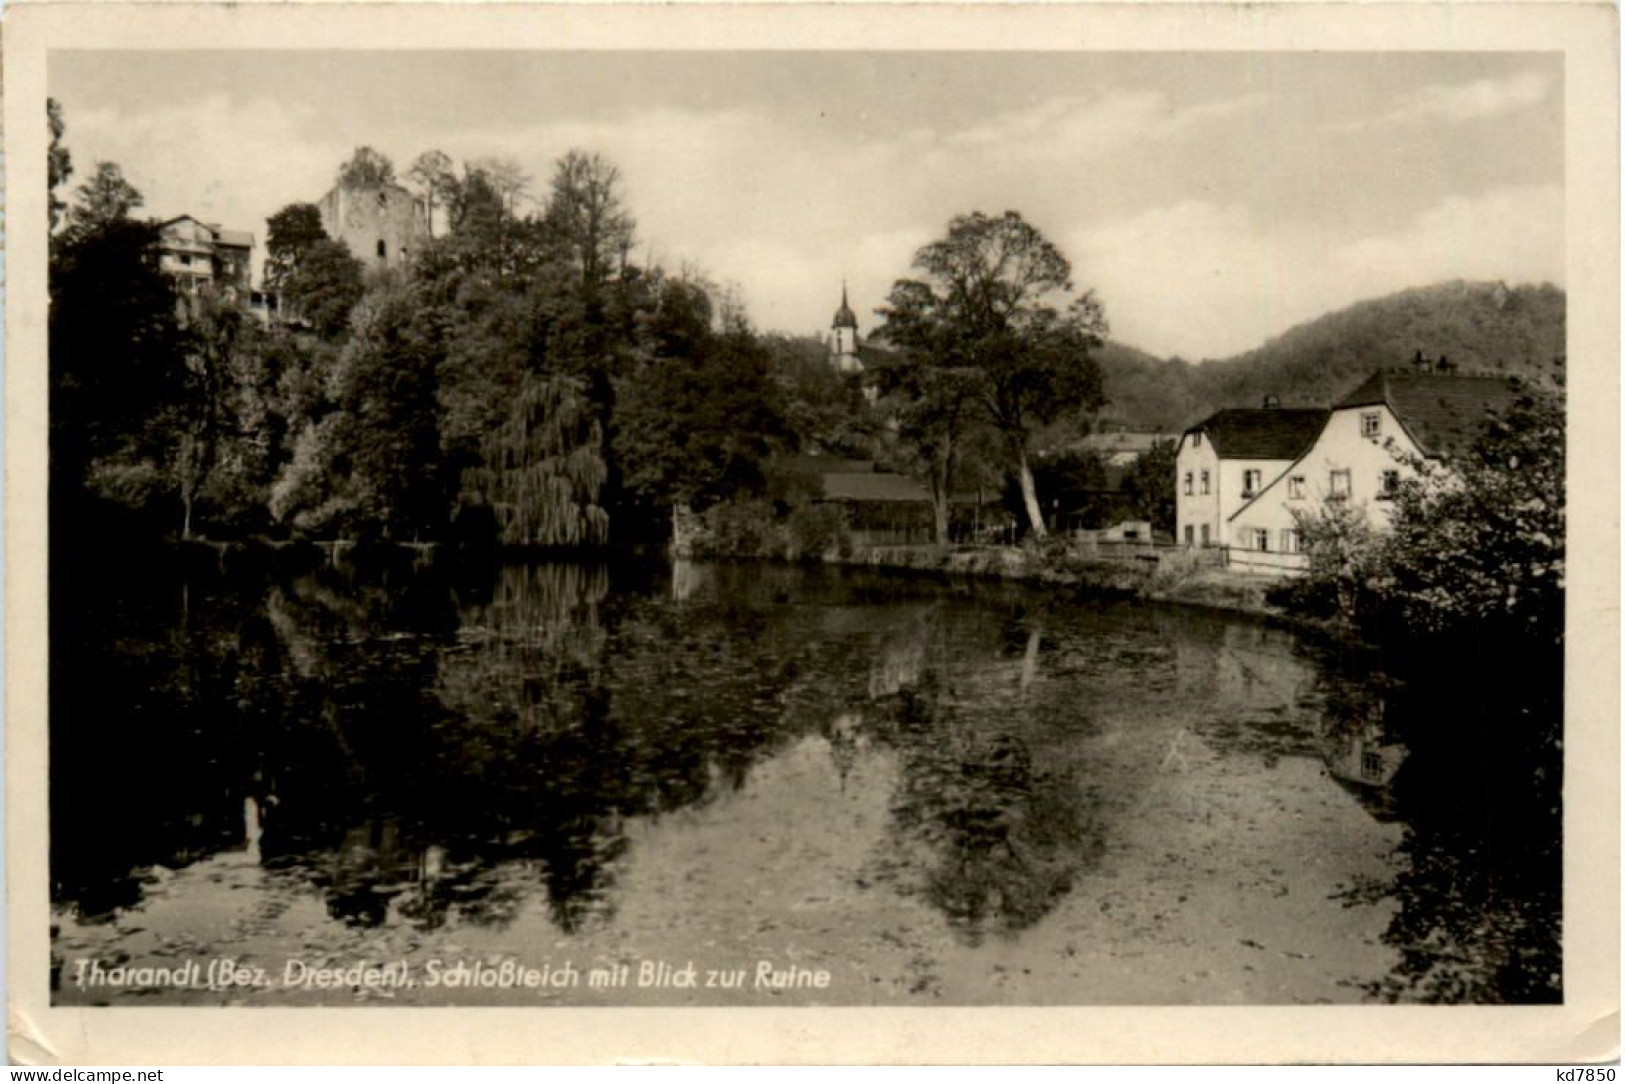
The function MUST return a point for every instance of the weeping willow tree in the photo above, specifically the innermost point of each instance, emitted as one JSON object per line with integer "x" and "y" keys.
{"x": 542, "y": 467}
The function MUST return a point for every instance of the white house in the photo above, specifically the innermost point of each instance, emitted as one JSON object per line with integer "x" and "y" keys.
{"x": 1227, "y": 460}
{"x": 1361, "y": 453}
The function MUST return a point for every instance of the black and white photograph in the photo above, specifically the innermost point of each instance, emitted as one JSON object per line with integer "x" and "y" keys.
{"x": 812, "y": 527}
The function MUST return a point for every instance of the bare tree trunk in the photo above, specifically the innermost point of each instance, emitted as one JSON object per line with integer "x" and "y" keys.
{"x": 1029, "y": 496}
{"x": 939, "y": 502}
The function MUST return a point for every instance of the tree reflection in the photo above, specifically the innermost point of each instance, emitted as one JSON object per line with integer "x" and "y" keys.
{"x": 987, "y": 827}
{"x": 1478, "y": 898}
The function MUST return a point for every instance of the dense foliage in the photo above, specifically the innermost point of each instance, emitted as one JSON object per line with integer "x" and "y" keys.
{"x": 1475, "y": 548}
{"x": 521, "y": 382}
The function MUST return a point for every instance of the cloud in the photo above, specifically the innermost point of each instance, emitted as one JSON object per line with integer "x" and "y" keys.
{"x": 1192, "y": 278}
{"x": 1513, "y": 233}
{"x": 229, "y": 162}
{"x": 1203, "y": 280}
{"x": 1084, "y": 127}
{"x": 1459, "y": 103}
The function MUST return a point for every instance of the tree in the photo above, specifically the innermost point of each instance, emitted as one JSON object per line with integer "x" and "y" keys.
{"x": 59, "y": 162}
{"x": 1474, "y": 552}
{"x": 824, "y": 411}
{"x": 586, "y": 218}
{"x": 995, "y": 308}
{"x": 1477, "y": 543}
{"x": 543, "y": 467}
{"x": 105, "y": 198}
{"x": 433, "y": 173}
{"x": 932, "y": 406}
{"x": 699, "y": 430}
{"x": 114, "y": 344}
{"x": 508, "y": 178}
{"x": 366, "y": 168}
{"x": 1149, "y": 486}
{"x": 289, "y": 234}
{"x": 324, "y": 286}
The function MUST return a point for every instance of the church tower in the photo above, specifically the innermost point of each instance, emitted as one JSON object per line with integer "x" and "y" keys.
{"x": 843, "y": 342}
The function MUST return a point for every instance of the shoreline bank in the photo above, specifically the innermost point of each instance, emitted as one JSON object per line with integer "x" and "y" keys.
{"x": 1212, "y": 589}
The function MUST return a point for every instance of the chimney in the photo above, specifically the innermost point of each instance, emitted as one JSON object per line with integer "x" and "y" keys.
{"x": 1271, "y": 403}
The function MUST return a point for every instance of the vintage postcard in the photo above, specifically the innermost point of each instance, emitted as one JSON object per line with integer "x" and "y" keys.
{"x": 833, "y": 532}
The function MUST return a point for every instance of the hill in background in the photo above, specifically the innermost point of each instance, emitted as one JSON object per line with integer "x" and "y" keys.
{"x": 1479, "y": 326}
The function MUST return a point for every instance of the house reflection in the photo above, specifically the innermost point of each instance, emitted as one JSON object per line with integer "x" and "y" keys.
{"x": 1356, "y": 743}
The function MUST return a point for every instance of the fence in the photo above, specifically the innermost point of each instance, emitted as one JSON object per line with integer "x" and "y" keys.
{"x": 1262, "y": 562}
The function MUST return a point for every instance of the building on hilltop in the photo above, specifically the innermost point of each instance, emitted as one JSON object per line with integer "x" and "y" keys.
{"x": 382, "y": 224}
{"x": 203, "y": 258}
{"x": 1369, "y": 443}
{"x": 1228, "y": 458}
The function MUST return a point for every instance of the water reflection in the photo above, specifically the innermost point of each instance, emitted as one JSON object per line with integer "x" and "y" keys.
{"x": 416, "y": 752}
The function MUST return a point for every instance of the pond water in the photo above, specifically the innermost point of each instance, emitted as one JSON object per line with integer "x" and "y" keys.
{"x": 735, "y": 784}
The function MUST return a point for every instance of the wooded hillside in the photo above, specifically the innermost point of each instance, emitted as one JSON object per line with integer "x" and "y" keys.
{"x": 1477, "y": 325}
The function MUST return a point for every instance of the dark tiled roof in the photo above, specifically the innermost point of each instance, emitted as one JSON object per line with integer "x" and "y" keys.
{"x": 1269, "y": 433}
{"x": 876, "y": 487}
{"x": 1442, "y": 412}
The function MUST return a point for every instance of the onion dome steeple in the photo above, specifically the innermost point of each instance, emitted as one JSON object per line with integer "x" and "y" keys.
{"x": 844, "y": 316}
{"x": 843, "y": 339}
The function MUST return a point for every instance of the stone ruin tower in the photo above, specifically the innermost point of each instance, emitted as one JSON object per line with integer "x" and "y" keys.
{"x": 383, "y": 224}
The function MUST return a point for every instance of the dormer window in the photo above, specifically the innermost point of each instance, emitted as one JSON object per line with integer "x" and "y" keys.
{"x": 1371, "y": 423}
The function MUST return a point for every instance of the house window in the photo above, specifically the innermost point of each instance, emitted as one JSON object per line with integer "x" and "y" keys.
{"x": 186, "y": 261}
{"x": 1387, "y": 485}
{"x": 1190, "y": 535}
{"x": 1190, "y": 483}
{"x": 381, "y": 248}
{"x": 1371, "y": 423}
{"x": 1250, "y": 481}
{"x": 1205, "y": 486}
{"x": 1371, "y": 765}
{"x": 1342, "y": 484}
{"x": 1289, "y": 540}
{"x": 1196, "y": 440}
{"x": 1205, "y": 538}
{"x": 1294, "y": 488}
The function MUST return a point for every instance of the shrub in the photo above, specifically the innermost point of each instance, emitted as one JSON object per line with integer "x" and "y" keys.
{"x": 817, "y": 530}
{"x": 739, "y": 529}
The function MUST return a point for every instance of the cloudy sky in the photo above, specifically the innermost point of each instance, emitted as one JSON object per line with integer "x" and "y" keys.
{"x": 1212, "y": 200}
